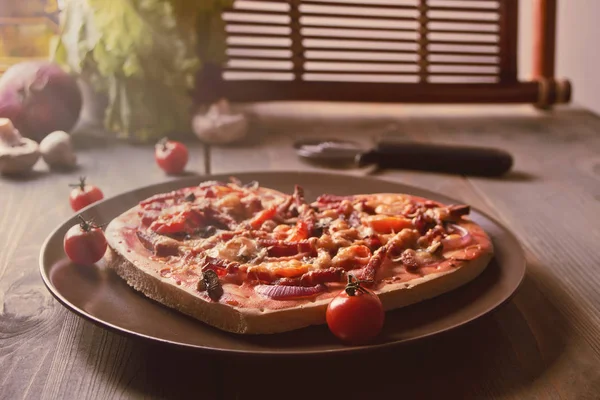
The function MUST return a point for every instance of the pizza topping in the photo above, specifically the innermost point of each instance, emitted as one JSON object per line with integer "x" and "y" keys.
{"x": 231, "y": 204}
{"x": 205, "y": 232}
{"x": 375, "y": 262}
{"x": 209, "y": 282}
{"x": 316, "y": 276}
{"x": 435, "y": 247}
{"x": 240, "y": 249}
{"x": 373, "y": 242}
{"x": 160, "y": 246}
{"x": 163, "y": 197}
{"x": 386, "y": 223}
{"x": 331, "y": 199}
{"x": 406, "y": 238}
{"x": 277, "y": 292}
{"x": 262, "y": 216}
{"x": 409, "y": 259}
{"x": 281, "y": 248}
{"x": 323, "y": 259}
{"x": 432, "y": 235}
{"x": 287, "y": 269}
{"x": 239, "y": 234}
{"x": 459, "y": 238}
{"x": 184, "y": 220}
{"x": 301, "y": 231}
{"x": 457, "y": 211}
{"x": 220, "y": 266}
{"x": 190, "y": 197}
{"x": 352, "y": 257}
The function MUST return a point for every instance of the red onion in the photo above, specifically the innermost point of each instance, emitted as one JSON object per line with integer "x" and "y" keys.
{"x": 462, "y": 240}
{"x": 39, "y": 97}
{"x": 279, "y": 292}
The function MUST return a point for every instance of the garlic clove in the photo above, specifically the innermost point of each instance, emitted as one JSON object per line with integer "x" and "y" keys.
{"x": 219, "y": 125}
{"x": 57, "y": 150}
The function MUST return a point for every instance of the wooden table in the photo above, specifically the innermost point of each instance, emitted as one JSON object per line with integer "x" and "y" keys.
{"x": 544, "y": 344}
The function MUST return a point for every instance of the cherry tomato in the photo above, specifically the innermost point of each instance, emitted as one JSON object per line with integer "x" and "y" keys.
{"x": 171, "y": 156}
{"x": 84, "y": 194}
{"x": 85, "y": 243}
{"x": 356, "y": 314}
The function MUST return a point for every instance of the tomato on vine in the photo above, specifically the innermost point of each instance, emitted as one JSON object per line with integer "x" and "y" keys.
{"x": 171, "y": 156}
{"x": 356, "y": 315}
{"x": 85, "y": 242}
{"x": 84, "y": 194}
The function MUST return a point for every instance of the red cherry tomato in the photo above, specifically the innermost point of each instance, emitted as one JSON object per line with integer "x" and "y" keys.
{"x": 356, "y": 314}
{"x": 171, "y": 156}
{"x": 84, "y": 194}
{"x": 85, "y": 243}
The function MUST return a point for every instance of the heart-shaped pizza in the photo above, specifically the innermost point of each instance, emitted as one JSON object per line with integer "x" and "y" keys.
{"x": 253, "y": 260}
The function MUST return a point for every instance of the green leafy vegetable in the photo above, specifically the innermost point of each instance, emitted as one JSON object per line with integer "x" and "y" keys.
{"x": 143, "y": 55}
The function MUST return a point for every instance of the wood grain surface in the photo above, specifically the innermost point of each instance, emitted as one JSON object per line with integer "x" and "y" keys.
{"x": 544, "y": 344}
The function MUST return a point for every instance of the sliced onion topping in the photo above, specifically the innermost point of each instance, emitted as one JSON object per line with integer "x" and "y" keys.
{"x": 463, "y": 239}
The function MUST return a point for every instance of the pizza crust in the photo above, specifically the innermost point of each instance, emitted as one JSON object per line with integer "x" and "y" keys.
{"x": 131, "y": 263}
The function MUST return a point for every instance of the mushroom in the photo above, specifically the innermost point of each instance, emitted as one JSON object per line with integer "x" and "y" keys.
{"x": 220, "y": 125}
{"x": 17, "y": 154}
{"x": 57, "y": 150}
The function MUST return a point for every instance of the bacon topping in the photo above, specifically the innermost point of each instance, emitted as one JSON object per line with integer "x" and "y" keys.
{"x": 375, "y": 262}
{"x": 161, "y": 246}
{"x": 280, "y": 248}
{"x": 312, "y": 278}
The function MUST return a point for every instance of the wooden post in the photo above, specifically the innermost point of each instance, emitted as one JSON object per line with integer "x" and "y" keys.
{"x": 509, "y": 28}
{"x": 544, "y": 50}
{"x": 423, "y": 50}
{"x": 297, "y": 47}
{"x": 544, "y": 38}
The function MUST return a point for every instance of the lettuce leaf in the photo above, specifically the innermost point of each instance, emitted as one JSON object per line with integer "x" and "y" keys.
{"x": 143, "y": 55}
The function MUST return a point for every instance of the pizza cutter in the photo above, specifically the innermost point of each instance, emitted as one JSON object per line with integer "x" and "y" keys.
{"x": 401, "y": 154}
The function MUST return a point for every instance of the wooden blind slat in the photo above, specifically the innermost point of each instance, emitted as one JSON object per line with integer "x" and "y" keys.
{"x": 352, "y": 72}
{"x": 361, "y": 28}
{"x": 458, "y": 73}
{"x": 361, "y": 61}
{"x": 365, "y": 50}
{"x": 463, "y": 53}
{"x": 361, "y": 39}
{"x": 361, "y": 17}
{"x": 464, "y": 63}
{"x": 398, "y": 62}
{"x": 463, "y": 31}
{"x": 265, "y": 24}
{"x": 256, "y": 47}
{"x": 245, "y": 11}
{"x": 464, "y": 21}
{"x": 384, "y": 7}
{"x": 259, "y": 35}
{"x": 260, "y": 69}
{"x": 462, "y": 43}
{"x": 465, "y": 9}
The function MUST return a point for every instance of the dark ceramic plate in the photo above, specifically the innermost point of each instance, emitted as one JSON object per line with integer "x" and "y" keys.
{"x": 99, "y": 295}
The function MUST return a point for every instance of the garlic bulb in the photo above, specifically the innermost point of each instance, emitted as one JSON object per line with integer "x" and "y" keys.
{"x": 220, "y": 125}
